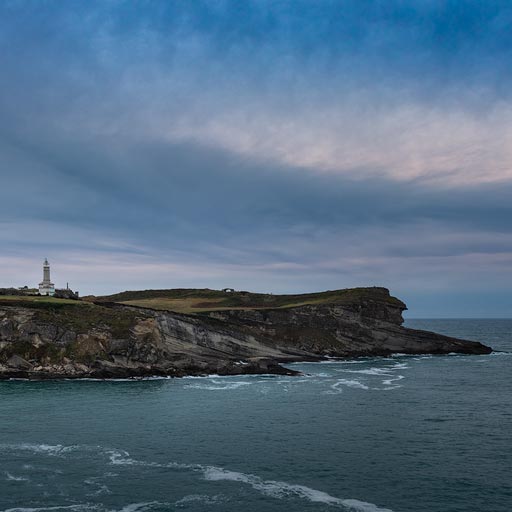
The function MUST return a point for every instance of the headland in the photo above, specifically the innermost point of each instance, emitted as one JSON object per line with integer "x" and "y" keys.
{"x": 200, "y": 331}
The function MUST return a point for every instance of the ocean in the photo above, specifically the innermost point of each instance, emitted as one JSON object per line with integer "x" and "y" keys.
{"x": 401, "y": 434}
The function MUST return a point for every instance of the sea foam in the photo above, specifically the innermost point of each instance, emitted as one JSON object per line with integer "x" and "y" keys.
{"x": 13, "y": 478}
{"x": 218, "y": 386}
{"x": 78, "y": 507}
{"x": 272, "y": 488}
{"x": 335, "y": 388}
{"x": 281, "y": 490}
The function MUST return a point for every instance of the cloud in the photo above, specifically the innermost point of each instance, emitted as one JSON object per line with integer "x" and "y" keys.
{"x": 284, "y": 146}
{"x": 410, "y": 142}
{"x": 409, "y": 94}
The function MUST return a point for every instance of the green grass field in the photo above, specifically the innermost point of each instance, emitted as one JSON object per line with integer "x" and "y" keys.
{"x": 189, "y": 301}
{"x": 204, "y": 300}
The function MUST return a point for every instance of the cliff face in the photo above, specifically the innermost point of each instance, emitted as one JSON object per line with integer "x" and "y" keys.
{"x": 368, "y": 329}
{"x": 101, "y": 341}
{"x": 126, "y": 342}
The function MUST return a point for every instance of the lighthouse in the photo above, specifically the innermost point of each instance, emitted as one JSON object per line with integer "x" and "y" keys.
{"x": 46, "y": 287}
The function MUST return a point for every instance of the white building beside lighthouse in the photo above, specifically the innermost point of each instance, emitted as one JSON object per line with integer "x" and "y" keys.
{"x": 46, "y": 287}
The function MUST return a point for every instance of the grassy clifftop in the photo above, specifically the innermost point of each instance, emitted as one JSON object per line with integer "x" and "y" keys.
{"x": 185, "y": 300}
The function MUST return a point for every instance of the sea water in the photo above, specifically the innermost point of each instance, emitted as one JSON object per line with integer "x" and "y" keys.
{"x": 405, "y": 433}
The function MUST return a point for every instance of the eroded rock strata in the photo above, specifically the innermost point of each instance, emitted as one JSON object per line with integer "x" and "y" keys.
{"x": 42, "y": 341}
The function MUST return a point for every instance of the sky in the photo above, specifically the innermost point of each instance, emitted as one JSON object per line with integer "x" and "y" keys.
{"x": 280, "y": 146}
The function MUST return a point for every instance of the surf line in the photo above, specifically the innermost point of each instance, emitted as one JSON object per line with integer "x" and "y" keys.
{"x": 271, "y": 488}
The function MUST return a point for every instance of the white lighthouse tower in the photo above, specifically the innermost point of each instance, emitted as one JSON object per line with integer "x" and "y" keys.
{"x": 46, "y": 287}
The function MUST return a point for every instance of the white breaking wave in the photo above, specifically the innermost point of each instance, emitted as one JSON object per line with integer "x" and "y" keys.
{"x": 388, "y": 373}
{"x": 335, "y": 388}
{"x": 272, "y": 488}
{"x": 46, "y": 449}
{"x": 203, "y": 377}
{"x": 135, "y": 507}
{"x": 351, "y": 384}
{"x": 378, "y": 370}
{"x": 15, "y": 478}
{"x": 281, "y": 490}
{"x": 122, "y": 458}
{"x": 215, "y": 386}
{"x": 388, "y": 382}
{"x": 87, "y": 507}
{"x": 80, "y": 507}
{"x": 371, "y": 371}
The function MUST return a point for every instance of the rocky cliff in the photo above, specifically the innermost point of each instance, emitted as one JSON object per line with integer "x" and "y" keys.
{"x": 59, "y": 339}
